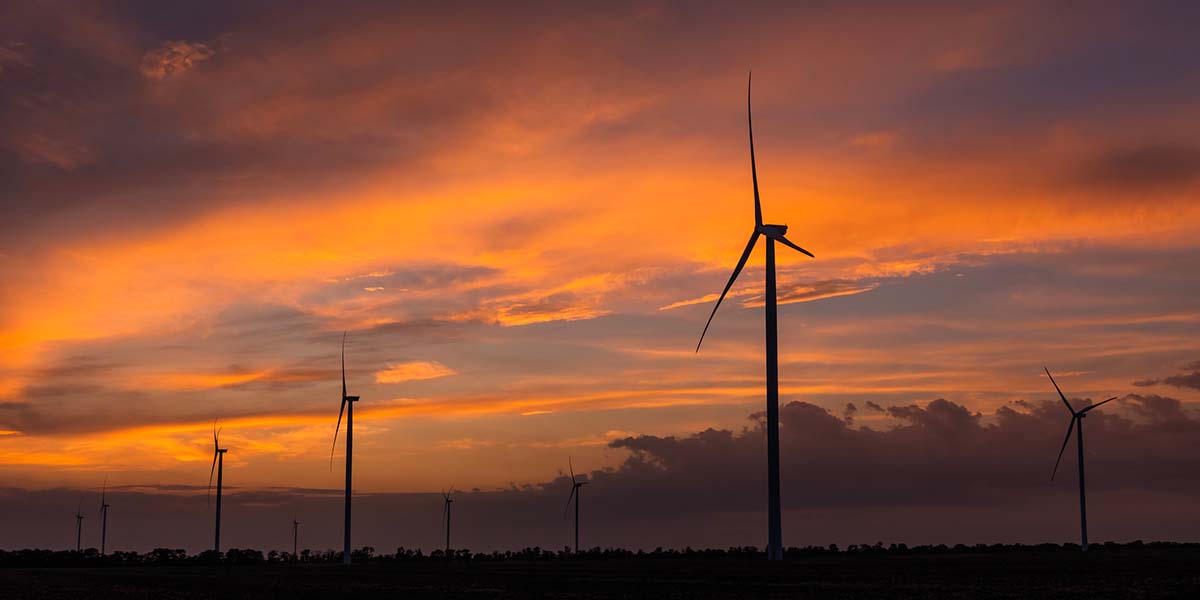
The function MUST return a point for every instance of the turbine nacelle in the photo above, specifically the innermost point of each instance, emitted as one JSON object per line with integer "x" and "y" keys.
{"x": 775, "y": 233}
{"x": 1077, "y": 416}
{"x": 217, "y": 452}
{"x": 346, "y": 399}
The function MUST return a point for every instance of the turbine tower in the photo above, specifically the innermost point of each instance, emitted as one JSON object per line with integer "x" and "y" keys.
{"x": 79, "y": 526}
{"x": 218, "y": 466}
{"x": 1076, "y": 417}
{"x": 295, "y": 536}
{"x": 103, "y": 517}
{"x": 347, "y": 408}
{"x": 575, "y": 485}
{"x": 773, "y": 233}
{"x": 446, "y": 500}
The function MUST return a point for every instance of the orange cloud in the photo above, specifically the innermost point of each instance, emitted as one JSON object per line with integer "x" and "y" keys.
{"x": 608, "y": 193}
{"x": 174, "y": 58}
{"x": 413, "y": 371}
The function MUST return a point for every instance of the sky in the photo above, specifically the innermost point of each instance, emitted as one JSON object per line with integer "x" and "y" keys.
{"x": 521, "y": 214}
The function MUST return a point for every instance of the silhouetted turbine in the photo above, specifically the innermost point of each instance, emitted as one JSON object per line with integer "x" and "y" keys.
{"x": 218, "y": 466}
{"x": 103, "y": 517}
{"x": 773, "y": 233}
{"x": 575, "y": 486}
{"x": 1076, "y": 417}
{"x": 295, "y": 536}
{"x": 446, "y": 500}
{"x": 347, "y": 408}
{"x": 79, "y": 526}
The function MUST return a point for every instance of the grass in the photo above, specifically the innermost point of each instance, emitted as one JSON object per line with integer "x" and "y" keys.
{"x": 1147, "y": 573}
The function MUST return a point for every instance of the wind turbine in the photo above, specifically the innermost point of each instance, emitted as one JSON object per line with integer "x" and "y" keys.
{"x": 773, "y": 233}
{"x": 103, "y": 517}
{"x": 1076, "y": 417}
{"x": 347, "y": 408}
{"x": 295, "y": 536}
{"x": 575, "y": 485}
{"x": 218, "y": 466}
{"x": 446, "y": 500}
{"x": 79, "y": 526}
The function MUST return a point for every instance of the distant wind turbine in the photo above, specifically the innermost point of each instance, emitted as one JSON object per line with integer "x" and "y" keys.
{"x": 103, "y": 517}
{"x": 347, "y": 408}
{"x": 575, "y": 488}
{"x": 218, "y": 466}
{"x": 295, "y": 536}
{"x": 773, "y": 233}
{"x": 446, "y": 500}
{"x": 1076, "y": 417}
{"x": 79, "y": 526}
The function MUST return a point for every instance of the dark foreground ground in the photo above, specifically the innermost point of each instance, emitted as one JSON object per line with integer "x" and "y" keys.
{"x": 1140, "y": 574}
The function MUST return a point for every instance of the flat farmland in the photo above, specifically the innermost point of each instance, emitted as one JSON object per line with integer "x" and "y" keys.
{"x": 1107, "y": 574}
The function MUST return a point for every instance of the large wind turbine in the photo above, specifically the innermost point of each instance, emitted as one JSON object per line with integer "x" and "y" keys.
{"x": 218, "y": 466}
{"x": 1076, "y": 417}
{"x": 575, "y": 485}
{"x": 295, "y": 536}
{"x": 103, "y": 517}
{"x": 347, "y": 408}
{"x": 446, "y": 500}
{"x": 79, "y": 526}
{"x": 773, "y": 233}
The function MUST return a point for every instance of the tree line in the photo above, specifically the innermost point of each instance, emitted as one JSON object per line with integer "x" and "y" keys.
{"x": 91, "y": 557}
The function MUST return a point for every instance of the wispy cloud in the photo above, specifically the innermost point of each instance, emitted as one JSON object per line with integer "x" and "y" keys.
{"x": 174, "y": 58}
{"x": 875, "y": 140}
{"x": 14, "y": 54}
{"x": 413, "y": 371}
{"x": 197, "y": 226}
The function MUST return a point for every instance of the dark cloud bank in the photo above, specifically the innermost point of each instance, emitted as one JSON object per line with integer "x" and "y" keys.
{"x": 1190, "y": 379}
{"x": 939, "y": 474}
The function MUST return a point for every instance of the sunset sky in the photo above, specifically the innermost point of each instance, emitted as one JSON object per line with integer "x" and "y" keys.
{"x": 522, "y": 214}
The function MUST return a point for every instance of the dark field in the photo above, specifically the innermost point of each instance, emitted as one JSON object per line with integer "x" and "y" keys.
{"x": 1113, "y": 574}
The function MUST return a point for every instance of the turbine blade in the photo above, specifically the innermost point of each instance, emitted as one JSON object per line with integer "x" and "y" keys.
{"x": 335, "y": 432}
{"x": 789, "y": 244}
{"x": 1060, "y": 394}
{"x": 753, "y": 168}
{"x": 104, "y": 493}
{"x": 1087, "y": 408}
{"x": 736, "y": 271}
{"x": 569, "y": 498}
{"x": 572, "y": 468}
{"x": 343, "y": 364}
{"x": 210, "y": 476}
{"x": 1070, "y": 428}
